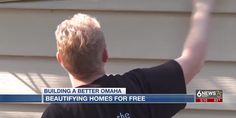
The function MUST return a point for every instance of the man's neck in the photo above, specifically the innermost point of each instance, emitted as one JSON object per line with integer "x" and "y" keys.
{"x": 75, "y": 81}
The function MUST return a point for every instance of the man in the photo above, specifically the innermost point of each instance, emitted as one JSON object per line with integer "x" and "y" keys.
{"x": 82, "y": 52}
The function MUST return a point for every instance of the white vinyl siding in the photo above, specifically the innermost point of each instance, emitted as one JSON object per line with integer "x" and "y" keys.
{"x": 139, "y": 33}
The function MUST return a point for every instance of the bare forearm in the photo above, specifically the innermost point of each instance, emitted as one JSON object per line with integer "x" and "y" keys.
{"x": 197, "y": 40}
{"x": 195, "y": 48}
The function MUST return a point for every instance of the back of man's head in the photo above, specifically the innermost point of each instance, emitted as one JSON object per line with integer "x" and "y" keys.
{"x": 80, "y": 43}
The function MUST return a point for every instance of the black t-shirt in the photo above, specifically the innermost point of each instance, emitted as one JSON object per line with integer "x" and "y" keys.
{"x": 167, "y": 78}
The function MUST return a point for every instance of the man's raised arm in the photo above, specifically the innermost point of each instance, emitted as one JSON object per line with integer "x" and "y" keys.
{"x": 195, "y": 48}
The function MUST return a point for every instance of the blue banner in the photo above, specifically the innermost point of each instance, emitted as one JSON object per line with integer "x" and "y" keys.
{"x": 20, "y": 98}
{"x": 128, "y": 98}
{"x": 124, "y": 99}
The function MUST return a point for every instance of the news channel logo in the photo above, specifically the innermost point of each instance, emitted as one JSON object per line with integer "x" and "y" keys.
{"x": 209, "y": 96}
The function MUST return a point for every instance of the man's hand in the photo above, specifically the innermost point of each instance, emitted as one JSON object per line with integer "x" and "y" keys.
{"x": 195, "y": 48}
{"x": 206, "y": 5}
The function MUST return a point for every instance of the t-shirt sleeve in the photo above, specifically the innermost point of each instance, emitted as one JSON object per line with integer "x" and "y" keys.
{"x": 167, "y": 78}
{"x": 163, "y": 79}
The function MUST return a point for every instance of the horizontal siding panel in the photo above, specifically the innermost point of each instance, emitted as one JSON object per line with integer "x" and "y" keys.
{"x": 21, "y": 110}
{"x": 25, "y": 75}
{"x": 225, "y": 6}
{"x": 128, "y": 34}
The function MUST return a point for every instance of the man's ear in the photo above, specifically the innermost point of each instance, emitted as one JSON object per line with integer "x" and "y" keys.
{"x": 105, "y": 55}
{"x": 59, "y": 58}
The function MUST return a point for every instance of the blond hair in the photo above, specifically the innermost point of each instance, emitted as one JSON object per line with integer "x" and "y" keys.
{"x": 81, "y": 43}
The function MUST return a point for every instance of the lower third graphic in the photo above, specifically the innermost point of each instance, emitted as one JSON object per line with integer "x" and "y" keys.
{"x": 209, "y": 96}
